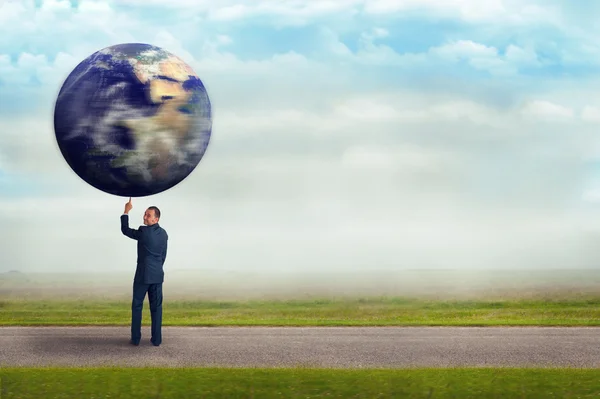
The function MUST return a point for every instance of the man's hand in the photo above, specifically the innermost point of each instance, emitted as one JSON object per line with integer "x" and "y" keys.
{"x": 128, "y": 206}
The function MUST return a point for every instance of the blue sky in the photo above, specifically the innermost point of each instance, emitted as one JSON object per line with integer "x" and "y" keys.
{"x": 454, "y": 135}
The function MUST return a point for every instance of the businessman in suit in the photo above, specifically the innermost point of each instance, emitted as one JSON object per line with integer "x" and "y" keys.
{"x": 149, "y": 275}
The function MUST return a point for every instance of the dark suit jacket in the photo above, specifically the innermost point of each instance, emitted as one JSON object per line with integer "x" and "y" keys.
{"x": 151, "y": 251}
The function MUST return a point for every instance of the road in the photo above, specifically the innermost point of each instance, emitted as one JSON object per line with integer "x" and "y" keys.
{"x": 337, "y": 347}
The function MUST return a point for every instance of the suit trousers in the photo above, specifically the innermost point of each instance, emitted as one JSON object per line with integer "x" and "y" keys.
{"x": 155, "y": 297}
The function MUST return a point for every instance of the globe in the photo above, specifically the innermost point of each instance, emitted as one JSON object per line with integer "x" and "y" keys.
{"x": 132, "y": 120}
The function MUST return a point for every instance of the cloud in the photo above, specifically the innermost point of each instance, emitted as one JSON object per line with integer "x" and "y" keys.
{"x": 504, "y": 62}
{"x": 590, "y": 113}
{"x": 208, "y": 54}
{"x": 487, "y": 58}
{"x": 406, "y": 159}
{"x": 300, "y": 12}
{"x": 368, "y": 150}
{"x": 494, "y": 12}
{"x": 547, "y": 110}
{"x": 295, "y": 12}
{"x": 466, "y": 9}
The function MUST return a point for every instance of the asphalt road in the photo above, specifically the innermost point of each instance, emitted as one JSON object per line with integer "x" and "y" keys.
{"x": 343, "y": 347}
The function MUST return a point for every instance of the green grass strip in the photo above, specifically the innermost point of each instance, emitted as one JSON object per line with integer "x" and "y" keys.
{"x": 382, "y": 311}
{"x": 207, "y": 383}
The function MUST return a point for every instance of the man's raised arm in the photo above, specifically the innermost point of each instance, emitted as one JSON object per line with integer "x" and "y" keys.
{"x": 125, "y": 229}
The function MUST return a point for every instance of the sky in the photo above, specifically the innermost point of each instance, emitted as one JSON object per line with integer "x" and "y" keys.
{"x": 348, "y": 135}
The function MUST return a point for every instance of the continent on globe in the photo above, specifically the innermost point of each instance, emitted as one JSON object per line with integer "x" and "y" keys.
{"x": 133, "y": 120}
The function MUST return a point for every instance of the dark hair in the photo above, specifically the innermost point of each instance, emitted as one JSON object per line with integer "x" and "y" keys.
{"x": 156, "y": 211}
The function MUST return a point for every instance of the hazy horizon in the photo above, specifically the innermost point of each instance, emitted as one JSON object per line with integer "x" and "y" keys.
{"x": 249, "y": 285}
{"x": 348, "y": 136}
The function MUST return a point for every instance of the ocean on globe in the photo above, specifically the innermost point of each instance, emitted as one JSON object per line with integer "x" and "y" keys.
{"x": 132, "y": 120}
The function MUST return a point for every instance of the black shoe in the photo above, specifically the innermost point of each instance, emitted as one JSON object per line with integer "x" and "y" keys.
{"x": 152, "y": 342}
{"x": 132, "y": 342}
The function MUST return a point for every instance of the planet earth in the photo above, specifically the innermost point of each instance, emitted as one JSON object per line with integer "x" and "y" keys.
{"x": 133, "y": 120}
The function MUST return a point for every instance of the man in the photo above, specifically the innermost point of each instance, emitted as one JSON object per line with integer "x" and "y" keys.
{"x": 149, "y": 275}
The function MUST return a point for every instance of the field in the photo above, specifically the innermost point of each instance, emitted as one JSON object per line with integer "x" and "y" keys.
{"x": 563, "y": 298}
{"x": 461, "y": 383}
{"x": 211, "y": 298}
{"x": 394, "y": 311}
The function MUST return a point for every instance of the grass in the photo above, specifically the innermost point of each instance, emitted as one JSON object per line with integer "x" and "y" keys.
{"x": 373, "y": 311}
{"x": 297, "y": 383}
{"x": 574, "y": 308}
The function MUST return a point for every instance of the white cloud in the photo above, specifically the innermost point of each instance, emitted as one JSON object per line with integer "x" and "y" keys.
{"x": 592, "y": 195}
{"x": 10, "y": 10}
{"x": 547, "y": 110}
{"x": 107, "y": 26}
{"x": 404, "y": 158}
{"x": 477, "y": 55}
{"x": 464, "y": 49}
{"x": 28, "y": 145}
{"x": 291, "y": 10}
{"x": 365, "y": 109}
{"x": 236, "y": 11}
{"x": 90, "y": 26}
{"x": 294, "y": 12}
{"x": 590, "y": 113}
{"x": 492, "y": 11}
{"x": 57, "y": 6}
{"x": 302, "y": 11}
{"x": 487, "y": 58}
{"x": 414, "y": 107}
{"x": 520, "y": 56}
{"x": 27, "y": 66}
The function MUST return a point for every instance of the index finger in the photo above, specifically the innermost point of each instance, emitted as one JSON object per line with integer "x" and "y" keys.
{"x": 129, "y": 199}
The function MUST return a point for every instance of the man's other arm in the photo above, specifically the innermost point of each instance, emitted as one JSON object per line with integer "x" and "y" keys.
{"x": 164, "y": 254}
{"x": 128, "y": 231}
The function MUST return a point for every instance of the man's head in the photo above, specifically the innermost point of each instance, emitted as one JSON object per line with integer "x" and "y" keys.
{"x": 151, "y": 216}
